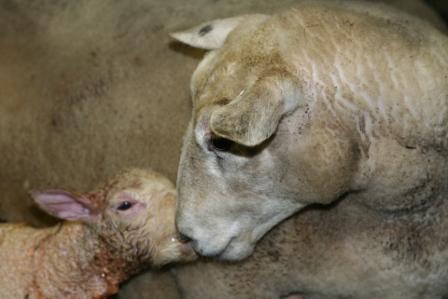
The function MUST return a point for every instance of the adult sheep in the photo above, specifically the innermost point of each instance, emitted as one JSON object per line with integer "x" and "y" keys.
{"x": 321, "y": 103}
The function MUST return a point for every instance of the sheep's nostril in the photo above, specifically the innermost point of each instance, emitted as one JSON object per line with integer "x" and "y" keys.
{"x": 184, "y": 238}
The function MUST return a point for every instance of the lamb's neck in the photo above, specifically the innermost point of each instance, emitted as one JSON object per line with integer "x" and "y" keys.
{"x": 73, "y": 260}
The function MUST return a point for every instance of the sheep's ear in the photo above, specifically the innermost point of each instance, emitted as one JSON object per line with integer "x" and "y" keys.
{"x": 254, "y": 115}
{"x": 208, "y": 35}
{"x": 65, "y": 205}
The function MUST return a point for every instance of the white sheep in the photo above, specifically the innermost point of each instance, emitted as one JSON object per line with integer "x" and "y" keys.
{"x": 321, "y": 101}
{"x": 331, "y": 103}
{"x": 110, "y": 234}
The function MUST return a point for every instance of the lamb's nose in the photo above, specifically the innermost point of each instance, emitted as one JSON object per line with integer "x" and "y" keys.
{"x": 190, "y": 241}
{"x": 184, "y": 238}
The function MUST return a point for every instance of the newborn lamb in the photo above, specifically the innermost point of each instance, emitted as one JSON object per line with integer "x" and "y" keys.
{"x": 111, "y": 233}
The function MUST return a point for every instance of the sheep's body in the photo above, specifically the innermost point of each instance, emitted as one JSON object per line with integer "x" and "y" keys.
{"x": 379, "y": 75}
{"x": 90, "y": 258}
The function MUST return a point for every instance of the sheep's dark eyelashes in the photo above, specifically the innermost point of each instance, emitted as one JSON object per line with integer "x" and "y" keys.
{"x": 125, "y": 205}
{"x": 221, "y": 144}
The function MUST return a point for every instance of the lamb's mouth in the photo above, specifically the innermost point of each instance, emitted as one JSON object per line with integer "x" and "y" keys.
{"x": 185, "y": 248}
{"x": 188, "y": 252}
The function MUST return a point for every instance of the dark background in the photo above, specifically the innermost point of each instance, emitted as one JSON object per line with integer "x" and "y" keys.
{"x": 441, "y": 6}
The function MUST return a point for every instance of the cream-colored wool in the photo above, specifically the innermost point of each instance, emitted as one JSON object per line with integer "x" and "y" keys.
{"x": 323, "y": 101}
{"x": 340, "y": 106}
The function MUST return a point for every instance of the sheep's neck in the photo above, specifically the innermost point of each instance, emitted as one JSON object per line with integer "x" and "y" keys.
{"x": 72, "y": 260}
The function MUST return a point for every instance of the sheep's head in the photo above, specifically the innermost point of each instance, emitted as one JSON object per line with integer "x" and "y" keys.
{"x": 133, "y": 213}
{"x": 290, "y": 109}
{"x": 252, "y": 155}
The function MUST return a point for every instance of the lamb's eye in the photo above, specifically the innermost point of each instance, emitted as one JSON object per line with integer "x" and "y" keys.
{"x": 125, "y": 205}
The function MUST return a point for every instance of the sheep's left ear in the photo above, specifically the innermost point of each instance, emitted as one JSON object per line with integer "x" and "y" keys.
{"x": 65, "y": 205}
{"x": 253, "y": 116}
{"x": 210, "y": 35}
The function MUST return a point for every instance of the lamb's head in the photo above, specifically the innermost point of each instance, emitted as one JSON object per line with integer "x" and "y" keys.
{"x": 133, "y": 213}
{"x": 283, "y": 116}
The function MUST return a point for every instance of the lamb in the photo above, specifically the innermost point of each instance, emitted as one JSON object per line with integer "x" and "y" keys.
{"x": 109, "y": 234}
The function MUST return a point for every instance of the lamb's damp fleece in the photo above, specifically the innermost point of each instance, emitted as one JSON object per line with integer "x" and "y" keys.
{"x": 109, "y": 234}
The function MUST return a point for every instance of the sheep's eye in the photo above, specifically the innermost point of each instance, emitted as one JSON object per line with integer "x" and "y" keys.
{"x": 221, "y": 144}
{"x": 125, "y": 205}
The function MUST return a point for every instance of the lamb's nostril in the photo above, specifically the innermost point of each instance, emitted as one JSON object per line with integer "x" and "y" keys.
{"x": 184, "y": 238}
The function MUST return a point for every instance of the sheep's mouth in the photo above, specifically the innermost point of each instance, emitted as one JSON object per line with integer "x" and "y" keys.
{"x": 225, "y": 249}
{"x": 235, "y": 251}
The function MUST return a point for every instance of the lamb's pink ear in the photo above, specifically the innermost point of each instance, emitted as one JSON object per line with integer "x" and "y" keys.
{"x": 65, "y": 205}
